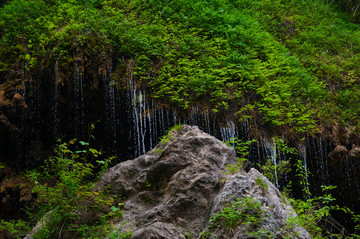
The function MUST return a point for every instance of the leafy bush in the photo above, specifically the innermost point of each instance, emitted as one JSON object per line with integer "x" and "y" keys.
{"x": 242, "y": 211}
{"x": 16, "y": 228}
{"x": 66, "y": 203}
{"x": 242, "y": 151}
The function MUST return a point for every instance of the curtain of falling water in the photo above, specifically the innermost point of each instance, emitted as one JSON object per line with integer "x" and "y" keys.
{"x": 228, "y": 131}
{"x": 56, "y": 99}
{"x": 111, "y": 115}
{"x": 79, "y": 103}
{"x": 274, "y": 161}
{"x": 303, "y": 157}
{"x": 21, "y": 146}
{"x": 136, "y": 121}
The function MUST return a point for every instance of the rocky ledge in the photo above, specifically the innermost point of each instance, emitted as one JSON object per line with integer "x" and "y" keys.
{"x": 179, "y": 189}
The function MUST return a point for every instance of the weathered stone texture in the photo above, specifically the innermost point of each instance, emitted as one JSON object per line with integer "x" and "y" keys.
{"x": 173, "y": 190}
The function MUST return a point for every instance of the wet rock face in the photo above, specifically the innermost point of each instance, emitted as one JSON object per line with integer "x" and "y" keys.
{"x": 354, "y": 153}
{"x": 338, "y": 153}
{"x": 13, "y": 110}
{"x": 173, "y": 190}
{"x": 15, "y": 195}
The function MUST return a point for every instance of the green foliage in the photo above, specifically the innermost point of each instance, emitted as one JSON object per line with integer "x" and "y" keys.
{"x": 242, "y": 150}
{"x": 289, "y": 64}
{"x": 269, "y": 168}
{"x": 351, "y": 6}
{"x": 246, "y": 212}
{"x": 262, "y": 184}
{"x": 278, "y": 171}
{"x": 16, "y": 228}
{"x": 242, "y": 211}
{"x": 70, "y": 197}
{"x": 116, "y": 211}
{"x": 187, "y": 235}
{"x": 121, "y": 235}
{"x": 168, "y": 136}
{"x": 234, "y": 168}
{"x": 302, "y": 173}
{"x": 315, "y": 213}
{"x": 286, "y": 64}
{"x": 158, "y": 150}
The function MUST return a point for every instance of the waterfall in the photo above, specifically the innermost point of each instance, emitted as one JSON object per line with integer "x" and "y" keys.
{"x": 271, "y": 153}
{"x": 148, "y": 116}
{"x": 273, "y": 160}
{"x": 21, "y": 139}
{"x": 141, "y": 121}
{"x": 348, "y": 169}
{"x": 207, "y": 122}
{"x": 111, "y": 116}
{"x": 244, "y": 130}
{"x": 324, "y": 168}
{"x": 229, "y": 131}
{"x": 56, "y": 100}
{"x": 79, "y": 102}
{"x": 303, "y": 157}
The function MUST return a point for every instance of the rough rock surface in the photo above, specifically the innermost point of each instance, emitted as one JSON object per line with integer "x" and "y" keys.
{"x": 15, "y": 194}
{"x": 173, "y": 190}
{"x": 354, "y": 153}
{"x": 338, "y": 153}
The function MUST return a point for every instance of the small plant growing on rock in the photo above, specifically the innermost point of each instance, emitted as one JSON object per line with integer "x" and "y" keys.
{"x": 242, "y": 150}
{"x": 120, "y": 233}
{"x": 244, "y": 211}
{"x": 169, "y": 134}
{"x": 115, "y": 211}
{"x": 158, "y": 151}
{"x": 261, "y": 182}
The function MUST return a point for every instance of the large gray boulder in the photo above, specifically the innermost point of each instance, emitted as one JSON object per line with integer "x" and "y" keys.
{"x": 174, "y": 190}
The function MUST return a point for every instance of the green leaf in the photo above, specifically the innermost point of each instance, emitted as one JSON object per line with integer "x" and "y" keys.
{"x": 83, "y": 143}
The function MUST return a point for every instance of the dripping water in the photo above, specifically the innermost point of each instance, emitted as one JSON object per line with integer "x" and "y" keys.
{"x": 324, "y": 163}
{"x": 270, "y": 149}
{"x": 207, "y": 122}
{"x": 56, "y": 99}
{"x": 138, "y": 111}
{"x": 111, "y": 112}
{"x": 228, "y": 131}
{"x": 273, "y": 160}
{"x": 79, "y": 102}
{"x": 303, "y": 157}
{"x": 21, "y": 139}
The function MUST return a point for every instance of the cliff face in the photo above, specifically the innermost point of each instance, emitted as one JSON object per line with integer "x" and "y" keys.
{"x": 34, "y": 113}
{"x": 245, "y": 69}
{"x": 174, "y": 190}
{"x": 289, "y": 68}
